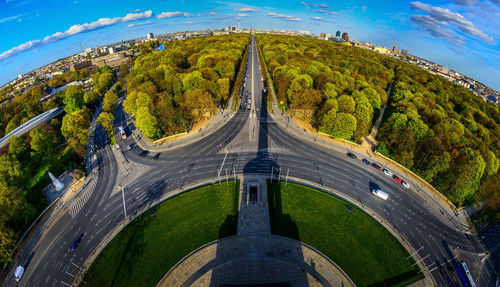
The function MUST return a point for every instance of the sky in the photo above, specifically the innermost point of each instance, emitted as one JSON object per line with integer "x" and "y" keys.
{"x": 463, "y": 35}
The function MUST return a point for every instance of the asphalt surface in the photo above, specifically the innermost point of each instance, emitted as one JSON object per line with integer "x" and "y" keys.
{"x": 250, "y": 142}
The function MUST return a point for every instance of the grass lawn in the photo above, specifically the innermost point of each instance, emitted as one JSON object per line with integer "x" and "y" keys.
{"x": 148, "y": 247}
{"x": 362, "y": 247}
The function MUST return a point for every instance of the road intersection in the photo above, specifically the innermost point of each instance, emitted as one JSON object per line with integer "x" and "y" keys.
{"x": 251, "y": 141}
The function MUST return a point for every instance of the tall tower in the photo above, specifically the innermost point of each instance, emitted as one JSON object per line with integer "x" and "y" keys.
{"x": 238, "y": 24}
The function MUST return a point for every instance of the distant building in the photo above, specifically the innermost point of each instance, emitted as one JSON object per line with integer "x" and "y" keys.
{"x": 337, "y": 34}
{"x": 20, "y": 76}
{"x": 231, "y": 28}
{"x": 111, "y": 50}
{"x": 404, "y": 52}
{"x": 492, "y": 99}
{"x": 150, "y": 36}
{"x": 345, "y": 36}
{"x": 79, "y": 66}
{"x": 395, "y": 49}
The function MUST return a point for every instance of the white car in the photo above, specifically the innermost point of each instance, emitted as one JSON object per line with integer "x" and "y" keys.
{"x": 387, "y": 172}
{"x": 405, "y": 184}
{"x": 379, "y": 193}
{"x": 18, "y": 274}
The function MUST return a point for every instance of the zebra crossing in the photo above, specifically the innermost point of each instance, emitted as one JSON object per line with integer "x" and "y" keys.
{"x": 87, "y": 193}
{"x": 436, "y": 213}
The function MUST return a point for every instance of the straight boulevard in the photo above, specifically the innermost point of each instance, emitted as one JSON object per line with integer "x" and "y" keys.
{"x": 251, "y": 142}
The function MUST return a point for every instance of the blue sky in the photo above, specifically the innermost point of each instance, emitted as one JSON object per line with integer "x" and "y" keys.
{"x": 461, "y": 34}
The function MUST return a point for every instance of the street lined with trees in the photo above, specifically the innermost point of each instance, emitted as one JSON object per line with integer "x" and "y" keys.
{"x": 436, "y": 128}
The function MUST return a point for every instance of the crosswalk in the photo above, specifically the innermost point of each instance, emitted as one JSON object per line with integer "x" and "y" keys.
{"x": 87, "y": 193}
{"x": 435, "y": 212}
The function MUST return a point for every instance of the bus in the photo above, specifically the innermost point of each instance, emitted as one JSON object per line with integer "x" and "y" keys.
{"x": 464, "y": 275}
{"x": 122, "y": 132}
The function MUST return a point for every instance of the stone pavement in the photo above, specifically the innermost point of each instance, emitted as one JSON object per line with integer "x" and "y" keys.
{"x": 254, "y": 255}
{"x": 255, "y": 259}
{"x": 253, "y": 215}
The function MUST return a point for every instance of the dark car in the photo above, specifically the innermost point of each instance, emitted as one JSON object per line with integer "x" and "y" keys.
{"x": 157, "y": 156}
{"x": 76, "y": 242}
{"x": 366, "y": 161}
{"x": 350, "y": 154}
{"x": 376, "y": 166}
{"x": 143, "y": 153}
{"x": 397, "y": 178}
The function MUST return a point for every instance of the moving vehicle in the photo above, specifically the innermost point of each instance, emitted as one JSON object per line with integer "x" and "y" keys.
{"x": 350, "y": 154}
{"x": 464, "y": 275}
{"x": 157, "y": 156}
{"x": 129, "y": 147}
{"x": 143, "y": 153}
{"x": 380, "y": 193}
{"x": 405, "y": 184}
{"x": 376, "y": 166}
{"x": 366, "y": 161}
{"x": 396, "y": 178}
{"x": 76, "y": 242}
{"x": 122, "y": 132}
{"x": 387, "y": 172}
{"x": 18, "y": 274}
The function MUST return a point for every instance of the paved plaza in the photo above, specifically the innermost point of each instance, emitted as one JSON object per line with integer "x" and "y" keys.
{"x": 255, "y": 256}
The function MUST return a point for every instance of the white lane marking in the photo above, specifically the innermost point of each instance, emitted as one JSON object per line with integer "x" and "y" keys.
{"x": 75, "y": 209}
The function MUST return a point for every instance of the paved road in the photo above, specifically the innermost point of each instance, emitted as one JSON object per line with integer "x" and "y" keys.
{"x": 251, "y": 142}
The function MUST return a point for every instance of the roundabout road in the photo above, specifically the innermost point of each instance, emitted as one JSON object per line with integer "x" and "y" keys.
{"x": 250, "y": 142}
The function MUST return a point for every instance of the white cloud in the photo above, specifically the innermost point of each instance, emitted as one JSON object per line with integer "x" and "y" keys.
{"x": 326, "y": 12}
{"x": 283, "y": 16}
{"x": 444, "y": 20}
{"x": 73, "y": 30}
{"x": 243, "y": 15}
{"x": 174, "y": 14}
{"x": 138, "y": 24}
{"x": 212, "y": 13}
{"x": 247, "y": 9}
{"x": 10, "y": 18}
{"x": 320, "y": 19}
{"x": 308, "y": 5}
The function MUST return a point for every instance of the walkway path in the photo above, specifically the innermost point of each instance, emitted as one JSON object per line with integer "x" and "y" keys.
{"x": 370, "y": 140}
{"x": 254, "y": 255}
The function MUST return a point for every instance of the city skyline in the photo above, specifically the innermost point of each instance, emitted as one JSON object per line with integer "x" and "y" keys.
{"x": 461, "y": 34}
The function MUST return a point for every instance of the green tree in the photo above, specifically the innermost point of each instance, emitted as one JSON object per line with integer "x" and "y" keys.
{"x": 109, "y": 102}
{"x": 73, "y": 99}
{"x": 192, "y": 81}
{"x": 7, "y": 243}
{"x": 41, "y": 141}
{"x": 346, "y": 104}
{"x": 344, "y": 126}
{"x": 17, "y": 147}
{"x": 373, "y": 97}
{"x": 223, "y": 87}
{"x": 146, "y": 122}
{"x": 75, "y": 129}
{"x": 330, "y": 92}
{"x": 437, "y": 164}
{"x": 106, "y": 119}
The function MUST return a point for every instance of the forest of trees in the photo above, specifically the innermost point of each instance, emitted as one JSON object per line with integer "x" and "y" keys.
{"x": 436, "y": 128}
{"x": 337, "y": 87}
{"x": 26, "y": 161}
{"x": 170, "y": 90}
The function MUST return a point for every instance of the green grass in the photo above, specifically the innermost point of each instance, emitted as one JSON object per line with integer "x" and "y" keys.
{"x": 143, "y": 252}
{"x": 362, "y": 247}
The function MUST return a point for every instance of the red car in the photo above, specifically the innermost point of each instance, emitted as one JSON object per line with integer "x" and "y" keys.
{"x": 396, "y": 178}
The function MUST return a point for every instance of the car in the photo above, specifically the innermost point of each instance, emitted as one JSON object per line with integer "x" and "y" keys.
{"x": 396, "y": 178}
{"x": 129, "y": 147}
{"x": 405, "y": 184}
{"x": 76, "y": 242}
{"x": 18, "y": 274}
{"x": 143, "y": 153}
{"x": 380, "y": 193}
{"x": 366, "y": 161}
{"x": 376, "y": 166}
{"x": 387, "y": 172}
{"x": 350, "y": 154}
{"x": 157, "y": 156}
